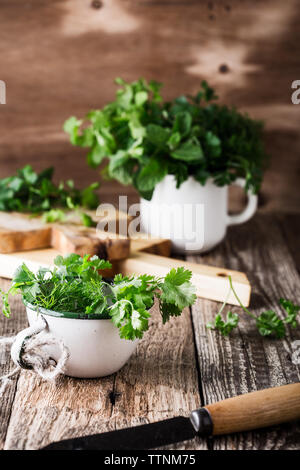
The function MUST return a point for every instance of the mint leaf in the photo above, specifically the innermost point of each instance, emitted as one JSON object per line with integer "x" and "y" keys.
{"x": 214, "y": 144}
{"x": 157, "y": 135}
{"x": 183, "y": 123}
{"x": 121, "y": 167}
{"x": 71, "y": 126}
{"x": 140, "y": 98}
{"x": 188, "y": 152}
{"x": 151, "y": 174}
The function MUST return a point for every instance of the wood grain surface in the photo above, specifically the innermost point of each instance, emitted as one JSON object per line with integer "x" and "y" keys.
{"x": 246, "y": 361}
{"x": 60, "y": 58}
{"x": 177, "y": 367}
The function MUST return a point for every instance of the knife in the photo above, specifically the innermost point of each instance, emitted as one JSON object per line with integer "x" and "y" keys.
{"x": 241, "y": 413}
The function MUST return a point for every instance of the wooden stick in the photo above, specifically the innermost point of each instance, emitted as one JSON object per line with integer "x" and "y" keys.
{"x": 211, "y": 282}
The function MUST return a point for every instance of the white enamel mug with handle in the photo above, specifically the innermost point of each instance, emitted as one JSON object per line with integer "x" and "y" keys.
{"x": 94, "y": 346}
{"x": 194, "y": 217}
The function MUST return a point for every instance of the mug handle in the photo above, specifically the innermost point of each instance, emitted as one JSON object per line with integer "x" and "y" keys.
{"x": 18, "y": 345}
{"x": 41, "y": 367}
{"x": 250, "y": 208}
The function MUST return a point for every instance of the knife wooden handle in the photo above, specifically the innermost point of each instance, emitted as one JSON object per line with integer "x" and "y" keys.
{"x": 250, "y": 411}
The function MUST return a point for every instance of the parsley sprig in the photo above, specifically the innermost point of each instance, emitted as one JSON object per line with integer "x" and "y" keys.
{"x": 36, "y": 193}
{"x": 76, "y": 285}
{"x": 144, "y": 138}
{"x": 268, "y": 322}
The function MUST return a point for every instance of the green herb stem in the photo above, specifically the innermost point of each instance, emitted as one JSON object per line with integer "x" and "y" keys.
{"x": 238, "y": 299}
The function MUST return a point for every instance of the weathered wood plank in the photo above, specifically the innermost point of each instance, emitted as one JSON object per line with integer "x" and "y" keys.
{"x": 161, "y": 380}
{"x": 245, "y": 361}
{"x": 290, "y": 227}
{"x": 9, "y": 327}
{"x": 158, "y": 382}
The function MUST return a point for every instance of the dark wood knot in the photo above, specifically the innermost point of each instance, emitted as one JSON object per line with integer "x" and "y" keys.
{"x": 97, "y": 4}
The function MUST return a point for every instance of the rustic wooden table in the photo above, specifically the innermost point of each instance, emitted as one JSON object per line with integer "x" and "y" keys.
{"x": 179, "y": 366}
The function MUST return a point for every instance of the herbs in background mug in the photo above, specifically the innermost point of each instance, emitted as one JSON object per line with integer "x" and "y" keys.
{"x": 146, "y": 138}
{"x": 75, "y": 285}
{"x": 36, "y": 193}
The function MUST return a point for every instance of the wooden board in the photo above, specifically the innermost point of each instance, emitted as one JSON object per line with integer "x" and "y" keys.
{"x": 22, "y": 232}
{"x": 45, "y": 257}
{"x": 211, "y": 282}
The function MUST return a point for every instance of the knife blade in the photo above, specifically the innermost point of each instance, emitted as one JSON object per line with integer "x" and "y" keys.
{"x": 241, "y": 413}
{"x": 146, "y": 436}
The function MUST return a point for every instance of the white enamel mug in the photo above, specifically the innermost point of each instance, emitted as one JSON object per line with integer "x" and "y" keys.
{"x": 94, "y": 345}
{"x": 194, "y": 217}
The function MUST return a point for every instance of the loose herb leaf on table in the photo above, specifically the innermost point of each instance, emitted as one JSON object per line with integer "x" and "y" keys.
{"x": 268, "y": 322}
{"x": 76, "y": 285}
{"x": 144, "y": 138}
{"x": 36, "y": 193}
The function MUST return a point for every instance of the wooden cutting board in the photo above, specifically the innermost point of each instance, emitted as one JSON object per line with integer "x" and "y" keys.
{"x": 20, "y": 232}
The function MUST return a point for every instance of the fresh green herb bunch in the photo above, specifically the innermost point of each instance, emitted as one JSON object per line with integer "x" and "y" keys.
{"x": 75, "y": 285}
{"x": 33, "y": 192}
{"x": 146, "y": 138}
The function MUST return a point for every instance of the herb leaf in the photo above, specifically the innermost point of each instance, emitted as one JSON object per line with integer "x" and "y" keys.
{"x": 225, "y": 327}
{"x": 76, "y": 285}
{"x": 35, "y": 193}
{"x": 177, "y": 292}
{"x": 269, "y": 323}
{"x": 138, "y": 127}
{"x": 292, "y": 311}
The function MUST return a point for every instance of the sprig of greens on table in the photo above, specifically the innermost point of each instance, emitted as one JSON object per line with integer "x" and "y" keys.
{"x": 146, "y": 138}
{"x": 35, "y": 193}
{"x": 268, "y": 322}
{"x": 75, "y": 285}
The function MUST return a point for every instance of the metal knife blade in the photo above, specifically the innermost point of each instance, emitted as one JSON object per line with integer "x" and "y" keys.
{"x": 146, "y": 436}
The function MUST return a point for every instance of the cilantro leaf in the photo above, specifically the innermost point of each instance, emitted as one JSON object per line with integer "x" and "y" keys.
{"x": 269, "y": 323}
{"x": 131, "y": 323}
{"x": 75, "y": 284}
{"x": 225, "y": 327}
{"x": 177, "y": 291}
{"x": 292, "y": 311}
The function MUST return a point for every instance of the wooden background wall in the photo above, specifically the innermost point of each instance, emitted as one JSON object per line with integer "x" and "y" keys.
{"x": 60, "y": 57}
